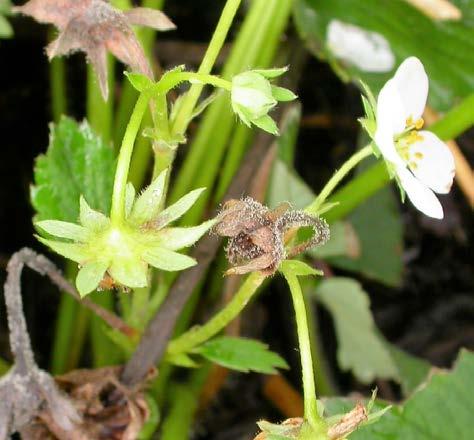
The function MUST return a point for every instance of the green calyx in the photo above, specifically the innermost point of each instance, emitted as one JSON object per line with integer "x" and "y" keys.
{"x": 124, "y": 250}
{"x": 253, "y": 97}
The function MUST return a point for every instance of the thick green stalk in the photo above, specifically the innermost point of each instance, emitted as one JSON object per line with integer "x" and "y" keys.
{"x": 57, "y": 76}
{"x": 311, "y": 413}
{"x": 349, "y": 165}
{"x": 197, "y": 336}
{"x": 215, "y": 45}
{"x": 99, "y": 112}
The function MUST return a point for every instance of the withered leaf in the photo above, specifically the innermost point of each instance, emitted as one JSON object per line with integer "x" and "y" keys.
{"x": 95, "y": 27}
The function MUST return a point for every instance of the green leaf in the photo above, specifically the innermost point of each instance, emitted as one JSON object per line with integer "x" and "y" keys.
{"x": 177, "y": 209}
{"x": 89, "y": 276}
{"x": 343, "y": 242}
{"x": 182, "y": 360}
{"x": 165, "y": 259}
{"x": 298, "y": 268}
{"x": 412, "y": 370}
{"x": 282, "y": 94}
{"x": 440, "y": 410}
{"x": 360, "y": 349}
{"x": 290, "y": 124}
{"x": 77, "y": 162}
{"x": 139, "y": 82}
{"x": 242, "y": 355}
{"x": 147, "y": 205}
{"x": 67, "y": 230}
{"x": 286, "y": 185}
{"x": 178, "y": 238}
{"x": 440, "y": 45}
{"x": 380, "y": 239}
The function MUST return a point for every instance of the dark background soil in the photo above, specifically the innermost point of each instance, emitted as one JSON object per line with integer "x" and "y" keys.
{"x": 430, "y": 315}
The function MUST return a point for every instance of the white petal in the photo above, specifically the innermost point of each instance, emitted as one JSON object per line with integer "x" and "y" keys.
{"x": 390, "y": 109}
{"x": 369, "y": 51}
{"x": 384, "y": 140}
{"x": 436, "y": 166}
{"x": 412, "y": 84}
{"x": 420, "y": 195}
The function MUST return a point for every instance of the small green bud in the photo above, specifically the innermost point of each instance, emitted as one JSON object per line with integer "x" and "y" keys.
{"x": 253, "y": 97}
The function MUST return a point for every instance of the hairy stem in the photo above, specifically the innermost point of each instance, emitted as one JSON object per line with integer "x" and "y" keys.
{"x": 309, "y": 389}
{"x": 195, "y": 337}
{"x": 227, "y": 17}
{"x": 350, "y": 164}
{"x": 117, "y": 212}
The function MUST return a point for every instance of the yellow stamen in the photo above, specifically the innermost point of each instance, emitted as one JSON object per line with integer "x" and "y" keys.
{"x": 419, "y": 123}
{"x": 413, "y": 165}
{"x": 418, "y": 155}
{"x": 409, "y": 122}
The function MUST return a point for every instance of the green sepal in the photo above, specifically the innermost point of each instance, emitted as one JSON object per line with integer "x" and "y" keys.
{"x": 298, "y": 268}
{"x": 165, "y": 259}
{"x": 182, "y": 360}
{"x": 89, "y": 276}
{"x": 282, "y": 94}
{"x": 91, "y": 219}
{"x": 139, "y": 81}
{"x": 326, "y": 207}
{"x": 74, "y": 251}
{"x": 147, "y": 205}
{"x": 268, "y": 124}
{"x": 271, "y": 73}
{"x": 177, "y": 209}
{"x": 131, "y": 272}
{"x": 130, "y": 194}
{"x": 67, "y": 230}
{"x": 174, "y": 239}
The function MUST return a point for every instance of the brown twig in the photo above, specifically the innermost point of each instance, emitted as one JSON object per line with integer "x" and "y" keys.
{"x": 26, "y": 389}
{"x": 45, "y": 267}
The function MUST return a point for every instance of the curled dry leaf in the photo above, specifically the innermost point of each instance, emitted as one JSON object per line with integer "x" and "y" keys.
{"x": 109, "y": 410}
{"x": 257, "y": 234}
{"x": 95, "y": 27}
{"x": 349, "y": 423}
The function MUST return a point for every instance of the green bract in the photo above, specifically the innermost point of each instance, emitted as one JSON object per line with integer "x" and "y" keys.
{"x": 253, "y": 96}
{"x": 125, "y": 250}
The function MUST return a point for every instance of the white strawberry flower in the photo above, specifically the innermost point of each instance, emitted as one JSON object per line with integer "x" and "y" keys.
{"x": 423, "y": 164}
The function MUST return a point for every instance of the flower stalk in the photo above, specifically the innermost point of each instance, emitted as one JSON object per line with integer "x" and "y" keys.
{"x": 195, "y": 337}
{"x": 350, "y": 164}
{"x": 311, "y": 413}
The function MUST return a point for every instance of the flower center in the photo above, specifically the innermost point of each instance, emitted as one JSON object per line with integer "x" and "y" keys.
{"x": 405, "y": 141}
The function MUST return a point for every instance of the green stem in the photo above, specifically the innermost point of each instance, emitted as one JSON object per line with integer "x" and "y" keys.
{"x": 227, "y": 17}
{"x": 117, "y": 212}
{"x": 195, "y": 337}
{"x": 309, "y": 389}
{"x": 99, "y": 112}
{"x": 337, "y": 177}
